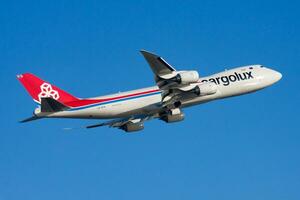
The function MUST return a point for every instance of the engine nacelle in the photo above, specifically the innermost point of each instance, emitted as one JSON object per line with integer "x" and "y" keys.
{"x": 186, "y": 77}
{"x": 132, "y": 127}
{"x": 205, "y": 89}
{"x": 173, "y": 118}
{"x": 175, "y": 115}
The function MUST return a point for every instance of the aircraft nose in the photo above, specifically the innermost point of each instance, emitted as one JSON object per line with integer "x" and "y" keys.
{"x": 277, "y": 75}
{"x": 271, "y": 76}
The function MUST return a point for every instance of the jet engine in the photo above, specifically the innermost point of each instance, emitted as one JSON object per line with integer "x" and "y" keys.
{"x": 204, "y": 89}
{"x": 174, "y": 115}
{"x": 132, "y": 127}
{"x": 181, "y": 77}
{"x": 186, "y": 77}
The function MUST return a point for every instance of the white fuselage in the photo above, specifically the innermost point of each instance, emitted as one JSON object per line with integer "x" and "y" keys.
{"x": 229, "y": 83}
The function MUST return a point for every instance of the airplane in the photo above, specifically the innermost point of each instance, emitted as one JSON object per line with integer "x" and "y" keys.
{"x": 174, "y": 91}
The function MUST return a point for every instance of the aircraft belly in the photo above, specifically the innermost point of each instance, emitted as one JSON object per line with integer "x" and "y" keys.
{"x": 124, "y": 108}
{"x": 136, "y": 106}
{"x": 201, "y": 99}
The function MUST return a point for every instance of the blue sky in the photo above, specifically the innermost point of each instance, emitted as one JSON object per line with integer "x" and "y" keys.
{"x": 240, "y": 148}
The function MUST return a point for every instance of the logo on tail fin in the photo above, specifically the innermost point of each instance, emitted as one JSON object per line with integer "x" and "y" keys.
{"x": 47, "y": 91}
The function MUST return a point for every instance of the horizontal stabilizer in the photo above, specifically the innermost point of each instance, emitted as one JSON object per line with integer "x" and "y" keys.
{"x": 30, "y": 119}
{"x": 49, "y": 104}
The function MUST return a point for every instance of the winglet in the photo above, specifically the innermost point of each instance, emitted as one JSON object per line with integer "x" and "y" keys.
{"x": 158, "y": 65}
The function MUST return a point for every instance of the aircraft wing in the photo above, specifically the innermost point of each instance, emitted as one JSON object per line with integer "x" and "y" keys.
{"x": 112, "y": 123}
{"x": 176, "y": 86}
{"x": 158, "y": 65}
{"x": 122, "y": 123}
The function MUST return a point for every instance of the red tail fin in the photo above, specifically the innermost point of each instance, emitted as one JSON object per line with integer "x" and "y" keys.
{"x": 37, "y": 88}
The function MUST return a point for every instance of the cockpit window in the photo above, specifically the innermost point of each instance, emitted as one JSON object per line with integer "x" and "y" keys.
{"x": 262, "y": 66}
{"x": 250, "y": 67}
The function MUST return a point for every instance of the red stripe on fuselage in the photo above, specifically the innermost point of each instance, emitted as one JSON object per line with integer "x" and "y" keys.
{"x": 86, "y": 102}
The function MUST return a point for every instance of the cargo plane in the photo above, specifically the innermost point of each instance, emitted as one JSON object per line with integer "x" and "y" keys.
{"x": 175, "y": 90}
